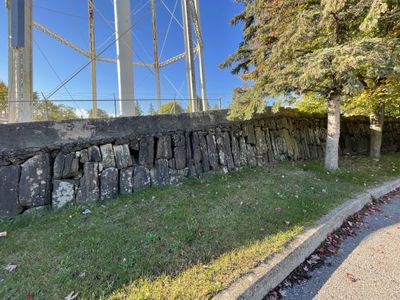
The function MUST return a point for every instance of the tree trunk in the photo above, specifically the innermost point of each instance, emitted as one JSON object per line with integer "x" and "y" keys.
{"x": 332, "y": 140}
{"x": 376, "y": 126}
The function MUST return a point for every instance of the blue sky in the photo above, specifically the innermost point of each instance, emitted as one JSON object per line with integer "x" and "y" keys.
{"x": 69, "y": 19}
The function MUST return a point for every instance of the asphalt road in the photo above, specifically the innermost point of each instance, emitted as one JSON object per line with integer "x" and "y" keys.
{"x": 367, "y": 266}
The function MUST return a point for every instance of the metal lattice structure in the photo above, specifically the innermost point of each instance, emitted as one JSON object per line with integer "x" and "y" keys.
{"x": 20, "y": 26}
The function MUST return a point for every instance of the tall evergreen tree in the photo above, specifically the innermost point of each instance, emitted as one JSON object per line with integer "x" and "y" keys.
{"x": 332, "y": 48}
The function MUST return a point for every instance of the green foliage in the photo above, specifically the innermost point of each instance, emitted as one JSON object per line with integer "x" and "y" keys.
{"x": 42, "y": 110}
{"x": 152, "y": 111}
{"x": 3, "y": 96}
{"x": 101, "y": 114}
{"x": 323, "y": 47}
{"x": 172, "y": 107}
{"x": 311, "y": 103}
{"x": 386, "y": 94}
{"x": 48, "y": 110}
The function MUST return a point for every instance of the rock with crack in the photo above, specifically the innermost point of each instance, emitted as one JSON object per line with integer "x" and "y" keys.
{"x": 89, "y": 189}
{"x": 71, "y": 166}
{"x": 63, "y": 193}
{"x": 58, "y": 166}
{"x": 35, "y": 181}
{"x": 109, "y": 183}
{"x": 9, "y": 176}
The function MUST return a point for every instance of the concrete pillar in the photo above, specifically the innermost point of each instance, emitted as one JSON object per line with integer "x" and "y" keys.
{"x": 123, "y": 28}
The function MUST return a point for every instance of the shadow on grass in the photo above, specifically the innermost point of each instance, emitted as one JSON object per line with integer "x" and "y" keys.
{"x": 185, "y": 241}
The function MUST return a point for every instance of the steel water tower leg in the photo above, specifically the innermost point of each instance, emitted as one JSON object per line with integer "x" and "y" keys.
{"x": 190, "y": 68}
{"x": 25, "y": 109}
{"x": 156, "y": 59}
{"x": 201, "y": 59}
{"x": 11, "y": 88}
{"x": 123, "y": 29}
{"x": 92, "y": 58}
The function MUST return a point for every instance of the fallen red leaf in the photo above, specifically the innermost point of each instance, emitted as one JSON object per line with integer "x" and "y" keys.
{"x": 350, "y": 278}
{"x": 278, "y": 210}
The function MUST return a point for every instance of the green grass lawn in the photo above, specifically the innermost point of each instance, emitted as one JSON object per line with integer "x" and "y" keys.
{"x": 187, "y": 241}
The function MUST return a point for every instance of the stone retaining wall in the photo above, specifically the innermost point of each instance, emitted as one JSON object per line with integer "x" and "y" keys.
{"x": 83, "y": 161}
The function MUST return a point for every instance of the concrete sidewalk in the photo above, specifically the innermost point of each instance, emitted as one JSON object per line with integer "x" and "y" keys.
{"x": 367, "y": 266}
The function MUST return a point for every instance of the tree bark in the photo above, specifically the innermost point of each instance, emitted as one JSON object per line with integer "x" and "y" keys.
{"x": 376, "y": 126}
{"x": 332, "y": 140}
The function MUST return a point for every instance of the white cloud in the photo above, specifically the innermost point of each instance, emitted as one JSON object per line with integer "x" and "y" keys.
{"x": 82, "y": 113}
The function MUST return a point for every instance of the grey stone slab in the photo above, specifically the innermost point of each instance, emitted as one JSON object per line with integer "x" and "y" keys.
{"x": 123, "y": 157}
{"x": 35, "y": 181}
{"x": 84, "y": 156}
{"x": 107, "y": 154}
{"x": 160, "y": 173}
{"x": 164, "y": 147}
{"x": 89, "y": 188}
{"x": 58, "y": 166}
{"x": 109, "y": 183}
{"x": 71, "y": 166}
{"x": 63, "y": 193}
{"x": 126, "y": 181}
{"x": 180, "y": 157}
{"x": 9, "y": 177}
{"x": 94, "y": 154}
{"x": 141, "y": 178}
{"x": 146, "y": 151}
{"x": 213, "y": 152}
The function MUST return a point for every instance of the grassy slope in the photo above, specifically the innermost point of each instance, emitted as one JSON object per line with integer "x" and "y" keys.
{"x": 185, "y": 241}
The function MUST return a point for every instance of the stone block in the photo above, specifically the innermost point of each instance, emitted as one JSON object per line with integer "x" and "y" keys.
{"x": 126, "y": 181}
{"x": 146, "y": 152}
{"x": 164, "y": 147}
{"x": 205, "y": 163}
{"x": 63, "y": 193}
{"x": 212, "y": 152}
{"x": 35, "y": 181}
{"x": 108, "y": 183}
{"x": 94, "y": 154}
{"x": 224, "y": 151}
{"x": 9, "y": 177}
{"x": 58, "y": 166}
{"x": 89, "y": 189}
{"x": 160, "y": 173}
{"x": 180, "y": 157}
{"x": 123, "y": 157}
{"x": 141, "y": 178}
{"x": 84, "y": 157}
{"x": 107, "y": 154}
{"x": 71, "y": 166}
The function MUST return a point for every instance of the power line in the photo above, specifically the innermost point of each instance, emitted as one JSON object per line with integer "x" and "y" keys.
{"x": 168, "y": 29}
{"x": 73, "y": 75}
{"x": 54, "y": 71}
{"x": 59, "y": 12}
{"x": 151, "y": 70}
